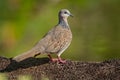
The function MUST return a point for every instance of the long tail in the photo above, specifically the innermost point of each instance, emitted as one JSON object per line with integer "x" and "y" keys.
{"x": 23, "y": 56}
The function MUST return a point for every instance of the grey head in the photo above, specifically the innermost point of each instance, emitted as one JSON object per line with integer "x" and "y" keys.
{"x": 63, "y": 15}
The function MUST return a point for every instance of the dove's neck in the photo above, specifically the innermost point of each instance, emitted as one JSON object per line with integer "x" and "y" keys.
{"x": 63, "y": 22}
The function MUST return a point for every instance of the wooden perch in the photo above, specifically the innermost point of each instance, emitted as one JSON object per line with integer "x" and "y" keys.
{"x": 72, "y": 70}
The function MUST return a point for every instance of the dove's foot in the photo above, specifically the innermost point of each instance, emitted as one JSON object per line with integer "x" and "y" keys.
{"x": 57, "y": 59}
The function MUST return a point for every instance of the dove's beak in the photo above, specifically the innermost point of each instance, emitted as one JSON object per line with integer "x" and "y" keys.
{"x": 71, "y": 15}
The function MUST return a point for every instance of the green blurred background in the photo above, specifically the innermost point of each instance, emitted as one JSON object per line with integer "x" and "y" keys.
{"x": 95, "y": 27}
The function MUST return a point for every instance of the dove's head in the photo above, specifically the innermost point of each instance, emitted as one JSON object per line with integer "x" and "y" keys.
{"x": 64, "y": 13}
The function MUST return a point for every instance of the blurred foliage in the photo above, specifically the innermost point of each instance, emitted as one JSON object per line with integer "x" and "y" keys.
{"x": 3, "y": 76}
{"x": 95, "y": 26}
{"x": 25, "y": 77}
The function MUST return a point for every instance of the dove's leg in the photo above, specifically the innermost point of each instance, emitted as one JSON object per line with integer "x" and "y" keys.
{"x": 57, "y": 59}
{"x": 52, "y": 59}
{"x": 61, "y": 60}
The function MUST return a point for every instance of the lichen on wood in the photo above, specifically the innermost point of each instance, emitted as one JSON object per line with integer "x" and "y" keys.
{"x": 38, "y": 68}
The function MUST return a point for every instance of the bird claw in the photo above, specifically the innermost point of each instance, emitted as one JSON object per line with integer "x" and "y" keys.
{"x": 62, "y": 61}
{"x": 58, "y": 60}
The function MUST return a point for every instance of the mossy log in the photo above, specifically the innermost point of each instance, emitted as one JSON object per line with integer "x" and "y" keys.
{"x": 71, "y": 70}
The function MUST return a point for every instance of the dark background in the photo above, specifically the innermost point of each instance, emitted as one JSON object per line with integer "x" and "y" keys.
{"x": 95, "y": 27}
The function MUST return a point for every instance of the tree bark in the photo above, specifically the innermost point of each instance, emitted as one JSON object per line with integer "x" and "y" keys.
{"x": 40, "y": 68}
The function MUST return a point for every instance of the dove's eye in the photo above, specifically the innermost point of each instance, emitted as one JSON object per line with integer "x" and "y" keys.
{"x": 65, "y": 12}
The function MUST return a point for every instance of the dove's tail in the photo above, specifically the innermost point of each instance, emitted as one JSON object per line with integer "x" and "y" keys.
{"x": 25, "y": 55}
